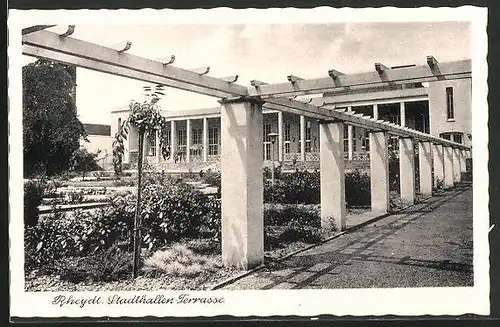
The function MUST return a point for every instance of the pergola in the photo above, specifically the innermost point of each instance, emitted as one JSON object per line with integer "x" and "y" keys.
{"x": 241, "y": 130}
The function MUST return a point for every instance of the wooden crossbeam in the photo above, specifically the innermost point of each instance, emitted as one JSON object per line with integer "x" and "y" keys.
{"x": 256, "y": 83}
{"x": 79, "y": 51}
{"x": 293, "y": 79}
{"x": 202, "y": 70}
{"x": 381, "y": 68}
{"x": 230, "y": 79}
{"x": 168, "y": 60}
{"x": 417, "y": 74}
{"x": 334, "y": 73}
{"x": 431, "y": 61}
{"x": 87, "y": 55}
{"x": 35, "y": 28}
{"x": 69, "y": 31}
{"x": 359, "y": 120}
{"x": 121, "y": 46}
{"x": 118, "y": 71}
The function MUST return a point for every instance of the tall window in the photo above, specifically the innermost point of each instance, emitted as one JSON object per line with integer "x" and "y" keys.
{"x": 213, "y": 141}
{"x": 265, "y": 131}
{"x": 286, "y": 137}
{"x": 182, "y": 140}
{"x": 266, "y": 146}
{"x": 308, "y": 137}
{"x": 449, "y": 103}
{"x": 197, "y": 141}
{"x": 346, "y": 138}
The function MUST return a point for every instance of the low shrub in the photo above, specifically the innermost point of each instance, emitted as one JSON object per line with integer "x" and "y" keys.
{"x": 178, "y": 261}
{"x": 81, "y": 234}
{"x": 357, "y": 189}
{"x": 300, "y": 186}
{"x": 298, "y": 223}
{"x": 282, "y": 215}
{"x": 297, "y": 232}
{"x": 212, "y": 178}
{"x": 105, "y": 266}
{"x": 33, "y": 195}
{"x": 172, "y": 212}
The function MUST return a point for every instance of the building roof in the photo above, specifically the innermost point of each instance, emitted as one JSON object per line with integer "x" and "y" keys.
{"x": 97, "y": 129}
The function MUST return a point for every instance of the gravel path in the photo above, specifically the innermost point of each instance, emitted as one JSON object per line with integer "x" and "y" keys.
{"x": 427, "y": 245}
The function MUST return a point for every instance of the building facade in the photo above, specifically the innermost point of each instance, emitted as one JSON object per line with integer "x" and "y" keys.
{"x": 441, "y": 108}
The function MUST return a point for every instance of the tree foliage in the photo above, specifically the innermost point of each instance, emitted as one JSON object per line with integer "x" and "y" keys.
{"x": 51, "y": 128}
{"x": 83, "y": 161}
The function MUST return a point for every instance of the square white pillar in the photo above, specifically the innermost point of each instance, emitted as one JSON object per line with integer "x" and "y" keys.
{"x": 438, "y": 156}
{"x": 375, "y": 111}
{"x": 188, "y": 140}
{"x": 407, "y": 170}
{"x": 280, "y": 136}
{"x": 242, "y": 187}
{"x": 302, "y": 138}
{"x": 425, "y": 168}
{"x": 331, "y": 147}
{"x": 173, "y": 140}
{"x": 463, "y": 167}
{"x": 205, "y": 139}
{"x": 379, "y": 172}
{"x": 448, "y": 167}
{"x": 456, "y": 166}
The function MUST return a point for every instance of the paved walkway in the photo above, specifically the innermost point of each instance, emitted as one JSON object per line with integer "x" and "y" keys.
{"x": 427, "y": 245}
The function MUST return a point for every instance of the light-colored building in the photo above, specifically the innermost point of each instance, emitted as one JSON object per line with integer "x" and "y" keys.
{"x": 99, "y": 141}
{"x": 441, "y": 108}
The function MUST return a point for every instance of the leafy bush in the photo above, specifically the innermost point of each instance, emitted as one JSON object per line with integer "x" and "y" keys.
{"x": 109, "y": 265}
{"x": 212, "y": 177}
{"x": 172, "y": 212}
{"x": 357, "y": 188}
{"x": 286, "y": 214}
{"x": 300, "y": 224}
{"x": 297, "y": 232}
{"x": 33, "y": 194}
{"x": 81, "y": 234}
{"x": 82, "y": 161}
{"x": 178, "y": 261}
{"x": 300, "y": 186}
{"x": 303, "y": 187}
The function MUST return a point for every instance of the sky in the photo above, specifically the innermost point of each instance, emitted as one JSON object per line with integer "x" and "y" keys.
{"x": 264, "y": 52}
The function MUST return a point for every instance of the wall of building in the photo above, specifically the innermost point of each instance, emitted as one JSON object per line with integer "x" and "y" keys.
{"x": 132, "y": 141}
{"x": 439, "y": 123}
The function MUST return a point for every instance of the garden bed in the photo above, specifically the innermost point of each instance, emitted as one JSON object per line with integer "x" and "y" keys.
{"x": 172, "y": 277}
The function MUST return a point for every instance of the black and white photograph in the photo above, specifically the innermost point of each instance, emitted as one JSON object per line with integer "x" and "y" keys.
{"x": 262, "y": 162}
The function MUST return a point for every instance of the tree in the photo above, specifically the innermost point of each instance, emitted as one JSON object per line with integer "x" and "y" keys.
{"x": 51, "y": 129}
{"x": 83, "y": 161}
{"x": 146, "y": 117}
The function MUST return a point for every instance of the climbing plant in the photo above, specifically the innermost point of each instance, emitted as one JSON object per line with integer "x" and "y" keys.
{"x": 146, "y": 118}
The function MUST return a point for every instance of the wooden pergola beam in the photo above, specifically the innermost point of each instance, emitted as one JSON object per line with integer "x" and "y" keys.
{"x": 35, "y": 28}
{"x": 350, "y": 118}
{"x": 118, "y": 71}
{"x": 181, "y": 78}
{"x": 87, "y": 55}
{"x": 416, "y": 74}
{"x": 381, "y": 68}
